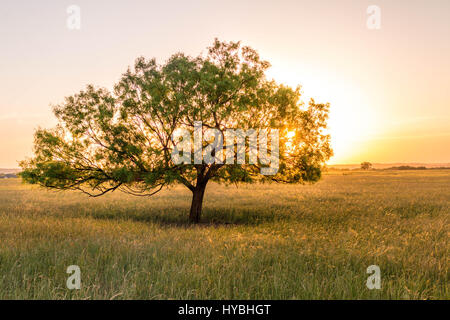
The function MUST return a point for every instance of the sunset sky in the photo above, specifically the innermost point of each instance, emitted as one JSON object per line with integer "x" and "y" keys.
{"x": 389, "y": 89}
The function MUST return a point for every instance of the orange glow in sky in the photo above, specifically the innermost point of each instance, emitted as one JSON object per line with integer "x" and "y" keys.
{"x": 389, "y": 88}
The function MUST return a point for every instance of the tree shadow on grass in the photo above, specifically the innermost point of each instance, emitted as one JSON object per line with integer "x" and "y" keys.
{"x": 178, "y": 217}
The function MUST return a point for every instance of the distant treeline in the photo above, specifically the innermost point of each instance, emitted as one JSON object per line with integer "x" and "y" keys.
{"x": 415, "y": 168}
{"x": 406, "y": 168}
{"x": 395, "y": 168}
{"x": 8, "y": 175}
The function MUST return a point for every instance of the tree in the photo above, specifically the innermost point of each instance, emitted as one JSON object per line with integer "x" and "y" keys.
{"x": 124, "y": 140}
{"x": 366, "y": 165}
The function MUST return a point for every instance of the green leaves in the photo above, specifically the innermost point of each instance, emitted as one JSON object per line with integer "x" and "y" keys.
{"x": 123, "y": 139}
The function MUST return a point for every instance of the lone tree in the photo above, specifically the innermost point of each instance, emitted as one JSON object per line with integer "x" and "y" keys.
{"x": 124, "y": 140}
{"x": 366, "y": 165}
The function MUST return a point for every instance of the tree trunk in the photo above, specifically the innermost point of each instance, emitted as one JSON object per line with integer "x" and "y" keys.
{"x": 197, "y": 201}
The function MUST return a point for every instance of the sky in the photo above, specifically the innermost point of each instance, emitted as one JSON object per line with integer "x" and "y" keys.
{"x": 389, "y": 88}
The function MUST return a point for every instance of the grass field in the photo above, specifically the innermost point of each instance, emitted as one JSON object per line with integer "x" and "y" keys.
{"x": 255, "y": 241}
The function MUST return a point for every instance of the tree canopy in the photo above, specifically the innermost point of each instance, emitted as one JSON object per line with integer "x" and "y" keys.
{"x": 124, "y": 139}
{"x": 366, "y": 165}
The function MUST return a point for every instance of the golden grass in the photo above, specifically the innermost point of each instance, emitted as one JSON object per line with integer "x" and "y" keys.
{"x": 255, "y": 242}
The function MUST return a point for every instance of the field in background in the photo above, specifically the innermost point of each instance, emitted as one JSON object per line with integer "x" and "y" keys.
{"x": 255, "y": 242}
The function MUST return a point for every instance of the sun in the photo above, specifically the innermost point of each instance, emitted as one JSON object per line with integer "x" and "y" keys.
{"x": 290, "y": 134}
{"x": 352, "y": 118}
